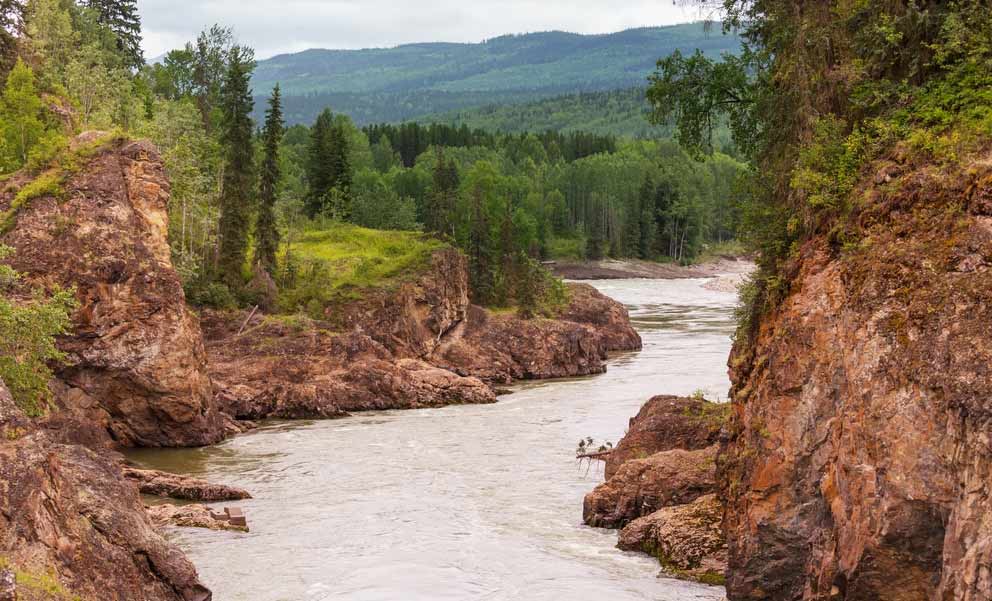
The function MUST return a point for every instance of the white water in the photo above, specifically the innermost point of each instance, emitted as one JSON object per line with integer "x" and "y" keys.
{"x": 461, "y": 503}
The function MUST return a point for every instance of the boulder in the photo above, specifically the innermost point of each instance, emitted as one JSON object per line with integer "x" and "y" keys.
{"x": 643, "y": 486}
{"x": 665, "y": 423}
{"x": 687, "y": 540}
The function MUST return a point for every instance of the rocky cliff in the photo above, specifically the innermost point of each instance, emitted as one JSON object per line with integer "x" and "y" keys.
{"x": 660, "y": 488}
{"x": 136, "y": 364}
{"x": 422, "y": 345}
{"x": 859, "y": 463}
{"x": 72, "y": 527}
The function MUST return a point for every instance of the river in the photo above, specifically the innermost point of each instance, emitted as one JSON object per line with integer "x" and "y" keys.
{"x": 460, "y": 503}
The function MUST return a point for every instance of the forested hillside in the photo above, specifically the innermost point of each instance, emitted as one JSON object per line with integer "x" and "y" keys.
{"x": 395, "y": 84}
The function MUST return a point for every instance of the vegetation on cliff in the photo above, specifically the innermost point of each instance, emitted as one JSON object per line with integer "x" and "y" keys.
{"x": 817, "y": 95}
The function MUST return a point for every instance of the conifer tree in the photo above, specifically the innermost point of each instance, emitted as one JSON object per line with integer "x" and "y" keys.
{"x": 318, "y": 169}
{"x": 236, "y": 195}
{"x": 121, "y": 17}
{"x": 266, "y": 233}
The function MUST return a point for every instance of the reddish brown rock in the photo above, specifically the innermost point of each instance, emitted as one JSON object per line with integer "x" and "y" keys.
{"x": 859, "y": 464}
{"x": 191, "y": 516}
{"x": 686, "y": 539}
{"x": 665, "y": 423}
{"x": 66, "y": 512}
{"x": 136, "y": 364}
{"x": 502, "y": 348}
{"x": 286, "y": 371}
{"x": 643, "y": 486}
{"x": 163, "y": 484}
{"x": 609, "y": 318}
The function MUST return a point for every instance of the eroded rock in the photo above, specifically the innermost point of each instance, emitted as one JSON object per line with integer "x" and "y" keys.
{"x": 164, "y": 484}
{"x": 687, "y": 539}
{"x": 191, "y": 516}
{"x": 66, "y": 512}
{"x": 643, "y": 486}
{"x": 135, "y": 359}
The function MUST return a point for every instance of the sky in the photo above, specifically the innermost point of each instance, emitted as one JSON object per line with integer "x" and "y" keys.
{"x": 275, "y": 27}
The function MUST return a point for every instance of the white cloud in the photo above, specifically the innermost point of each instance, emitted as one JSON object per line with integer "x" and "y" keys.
{"x": 274, "y": 27}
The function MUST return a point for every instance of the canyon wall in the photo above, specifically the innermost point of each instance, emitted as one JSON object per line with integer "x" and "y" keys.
{"x": 858, "y": 462}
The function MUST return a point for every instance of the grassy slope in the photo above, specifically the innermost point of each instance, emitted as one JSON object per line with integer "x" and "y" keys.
{"x": 341, "y": 260}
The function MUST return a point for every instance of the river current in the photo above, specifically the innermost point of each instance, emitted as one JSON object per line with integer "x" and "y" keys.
{"x": 460, "y": 503}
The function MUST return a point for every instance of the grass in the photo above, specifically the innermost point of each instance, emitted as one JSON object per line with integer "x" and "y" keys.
{"x": 50, "y": 181}
{"x": 39, "y": 586}
{"x": 717, "y": 250}
{"x": 571, "y": 249}
{"x": 340, "y": 261}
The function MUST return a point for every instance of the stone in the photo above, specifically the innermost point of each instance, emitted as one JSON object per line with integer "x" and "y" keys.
{"x": 643, "y": 486}
{"x": 687, "y": 540}
{"x": 669, "y": 422}
{"x": 164, "y": 484}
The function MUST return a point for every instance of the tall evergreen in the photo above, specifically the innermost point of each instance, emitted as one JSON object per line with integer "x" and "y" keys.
{"x": 318, "y": 168}
{"x": 328, "y": 168}
{"x": 266, "y": 233}
{"x": 121, "y": 17}
{"x": 239, "y": 172}
{"x": 481, "y": 275}
{"x": 441, "y": 202}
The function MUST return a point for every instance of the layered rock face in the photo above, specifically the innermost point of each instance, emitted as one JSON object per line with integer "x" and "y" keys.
{"x": 67, "y": 514}
{"x": 136, "y": 364}
{"x": 859, "y": 464}
{"x": 423, "y": 345}
{"x": 660, "y": 488}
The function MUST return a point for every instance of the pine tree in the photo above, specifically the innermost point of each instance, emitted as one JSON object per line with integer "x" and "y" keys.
{"x": 121, "y": 17}
{"x": 236, "y": 195}
{"x": 480, "y": 252}
{"x": 266, "y": 233}
{"x": 438, "y": 216}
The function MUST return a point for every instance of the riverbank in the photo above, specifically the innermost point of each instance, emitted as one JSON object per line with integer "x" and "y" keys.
{"x": 458, "y": 502}
{"x": 626, "y": 269}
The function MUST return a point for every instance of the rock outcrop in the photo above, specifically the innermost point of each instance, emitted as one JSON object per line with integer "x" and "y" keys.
{"x": 642, "y": 486}
{"x": 136, "y": 365}
{"x": 423, "y": 345}
{"x": 174, "y": 486}
{"x": 859, "y": 463}
{"x": 67, "y": 514}
{"x": 660, "y": 488}
{"x": 687, "y": 539}
{"x": 193, "y": 515}
{"x": 665, "y": 423}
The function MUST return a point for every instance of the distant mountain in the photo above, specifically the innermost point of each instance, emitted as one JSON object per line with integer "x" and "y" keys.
{"x": 394, "y": 84}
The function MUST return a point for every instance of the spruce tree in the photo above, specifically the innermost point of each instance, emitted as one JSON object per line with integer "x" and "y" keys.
{"x": 266, "y": 233}
{"x": 318, "y": 168}
{"x": 236, "y": 195}
{"x": 121, "y": 17}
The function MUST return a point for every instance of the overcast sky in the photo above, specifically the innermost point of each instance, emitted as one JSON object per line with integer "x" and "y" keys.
{"x": 277, "y": 26}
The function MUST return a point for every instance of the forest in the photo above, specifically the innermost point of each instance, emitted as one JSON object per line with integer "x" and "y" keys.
{"x": 247, "y": 195}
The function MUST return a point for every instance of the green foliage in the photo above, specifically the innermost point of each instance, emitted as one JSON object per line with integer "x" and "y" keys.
{"x": 266, "y": 231}
{"x": 237, "y": 193}
{"x": 121, "y": 17}
{"x": 376, "y": 205}
{"x": 46, "y": 184}
{"x": 27, "y": 340}
{"x": 410, "y": 82}
{"x": 340, "y": 260}
{"x": 26, "y": 135}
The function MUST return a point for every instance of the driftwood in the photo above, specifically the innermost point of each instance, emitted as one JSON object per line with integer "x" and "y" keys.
{"x": 601, "y": 455}
{"x": 245, "y": 324}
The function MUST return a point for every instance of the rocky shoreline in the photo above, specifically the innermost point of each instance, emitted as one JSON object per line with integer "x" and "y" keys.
{"x": 140, "y": 371}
